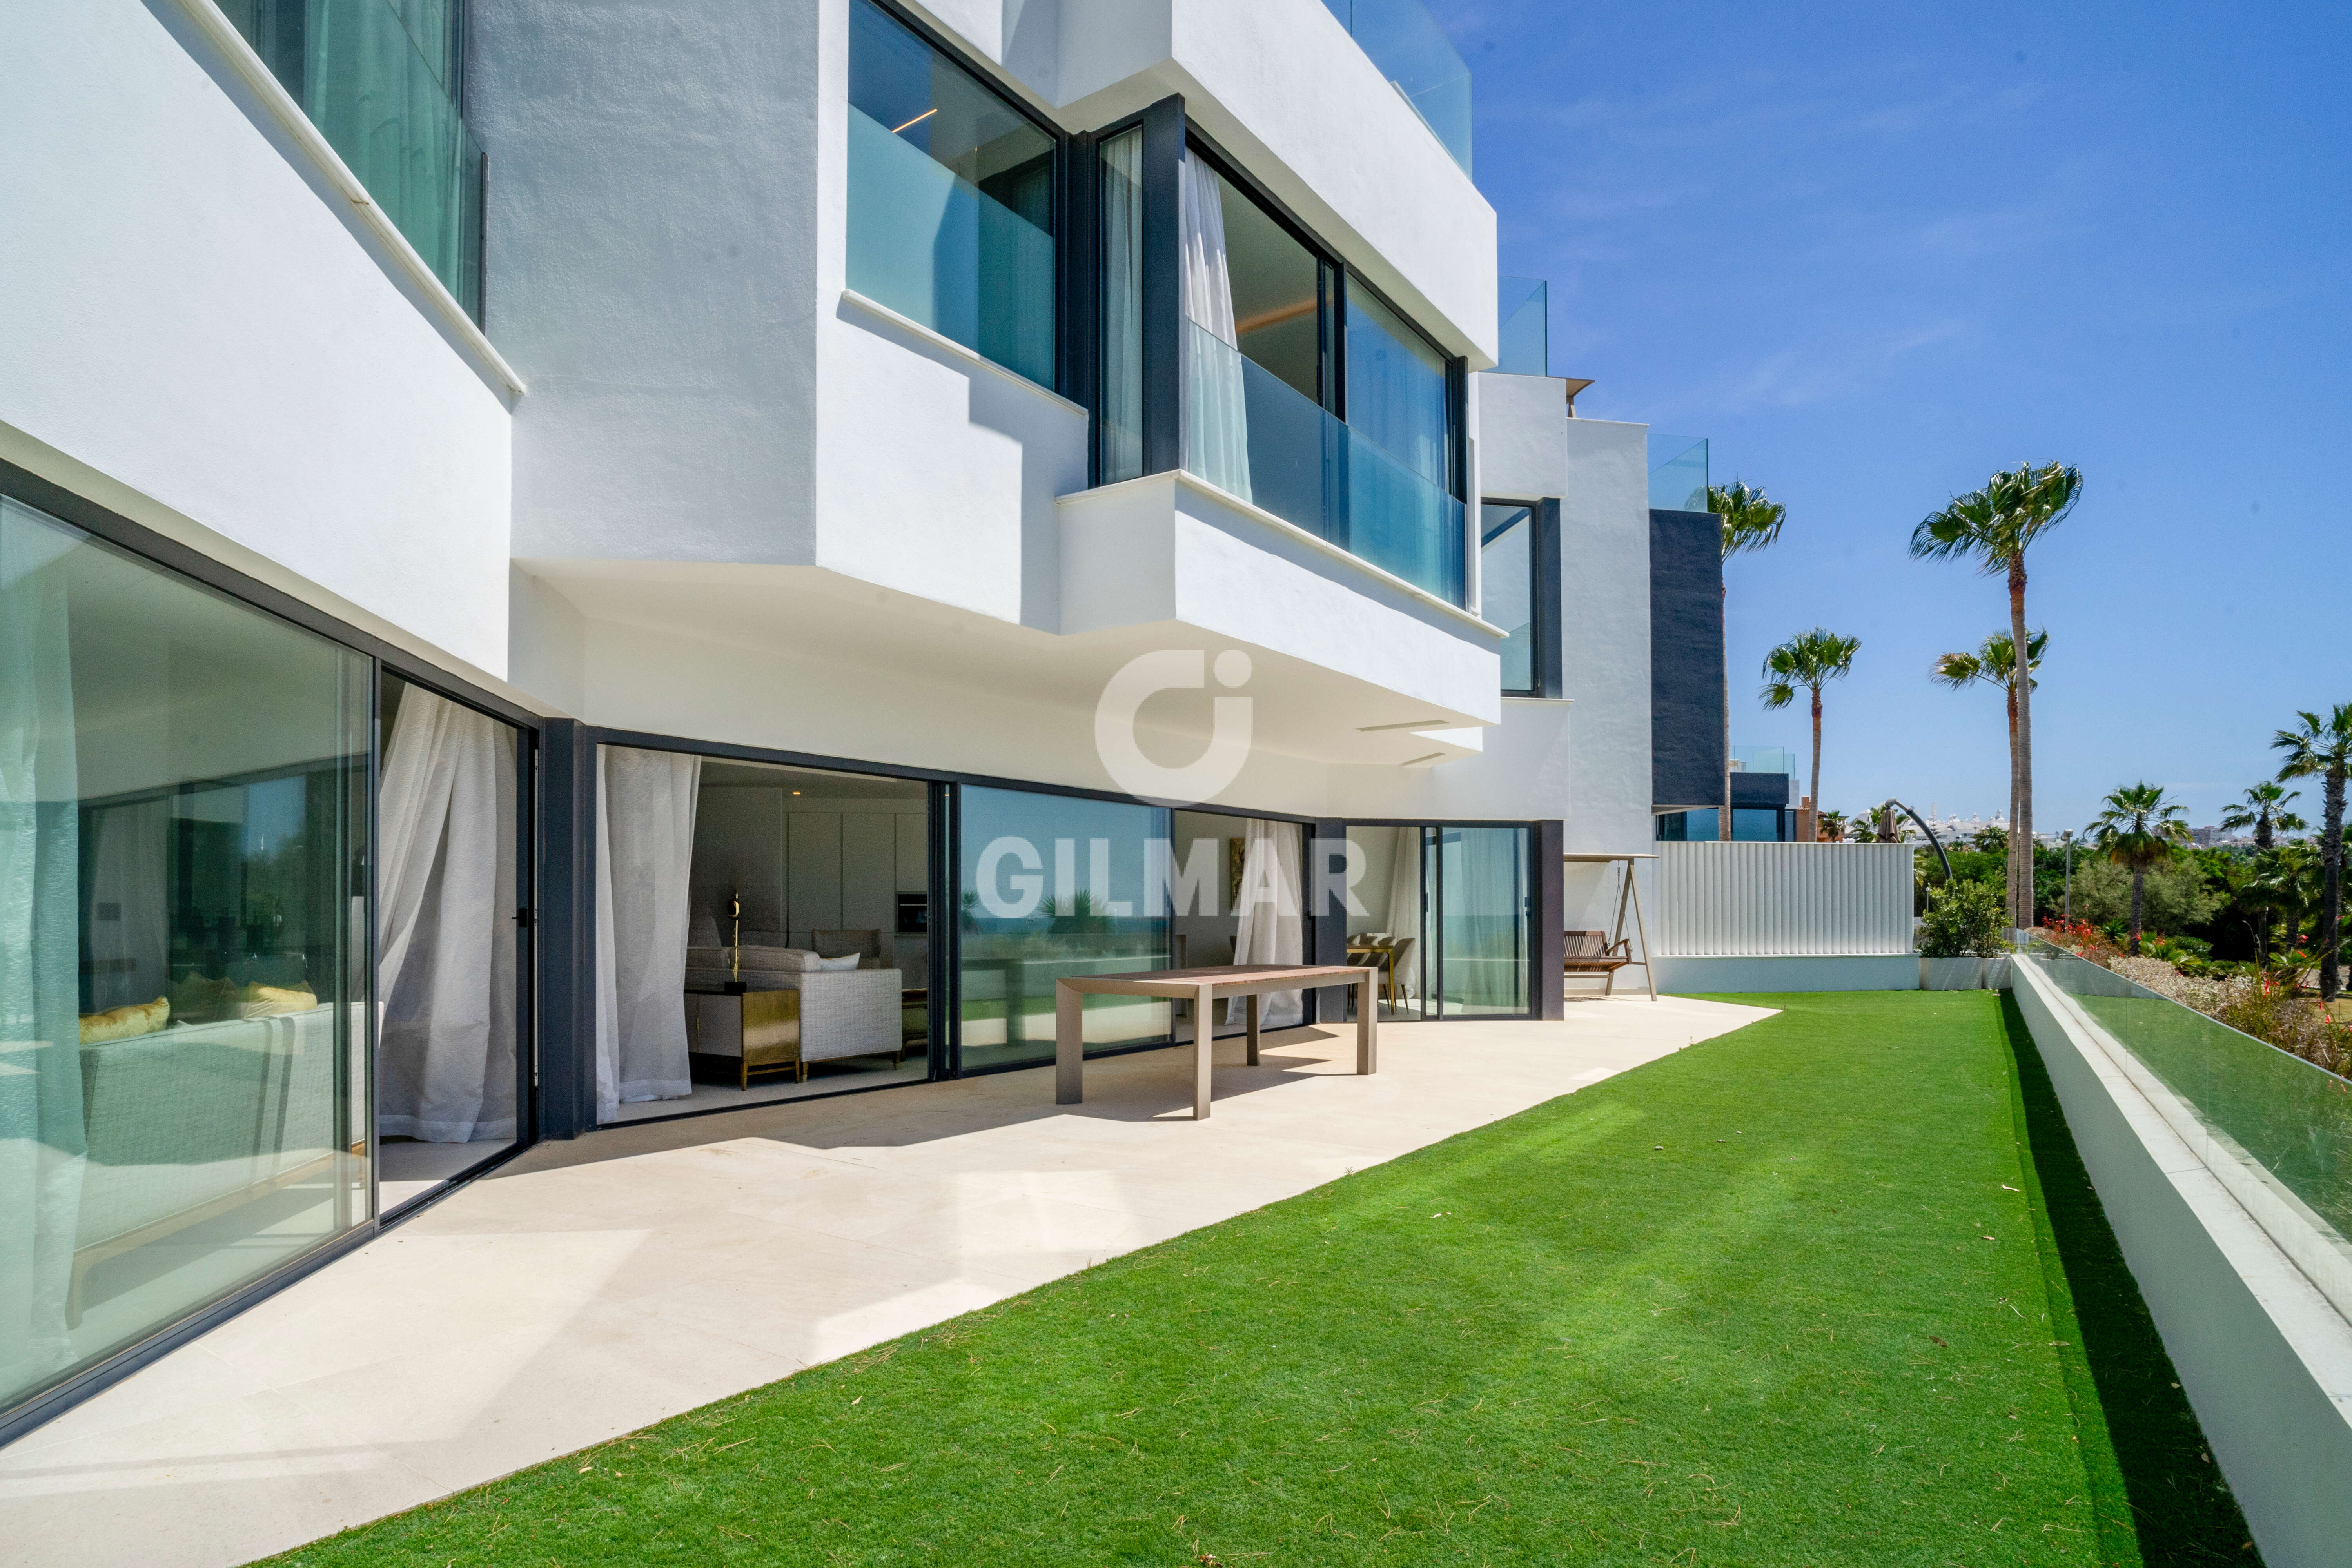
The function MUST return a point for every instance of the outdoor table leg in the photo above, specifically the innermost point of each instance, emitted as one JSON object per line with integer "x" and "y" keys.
{"x": 1069, "y": 1046}
{"x": 1252, "y": 1029}
{"x": 1368, "y": 1023}
{"x": 1204, "y": 1051}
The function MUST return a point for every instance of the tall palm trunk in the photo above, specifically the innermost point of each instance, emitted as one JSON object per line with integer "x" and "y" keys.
{"x": 1817, "y": 754}
{"x": 2139, "y": 883}
{"x": 2331, "y": 886}
{"x": 2012, "y": 763}
{"x": 2020, "y": 766}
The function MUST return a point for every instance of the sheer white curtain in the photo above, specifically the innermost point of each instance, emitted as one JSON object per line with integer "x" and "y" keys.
{"x": 1404, "y": 908}
{"x": 1272, "y": 929}
{"x": 445, "y": 948}
{"x": 1216, "y": 435}
{"x": 1122, "y": 389}
{"x": 645, "y": 862}
{"x": 41, "y": 1137}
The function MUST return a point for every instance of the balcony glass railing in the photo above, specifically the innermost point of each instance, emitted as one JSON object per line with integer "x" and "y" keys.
{"x": 1412, "y": 50}
{"x": 1677, "y": 472}
{"x": 377, "y": 79}
{"x": 1761, "y": 760}
{"x": 1524, "y": 346}
{"x": 1280, "y": 451}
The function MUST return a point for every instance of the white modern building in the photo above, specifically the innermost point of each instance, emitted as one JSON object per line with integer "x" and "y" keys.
{"x": 530, "y": 531}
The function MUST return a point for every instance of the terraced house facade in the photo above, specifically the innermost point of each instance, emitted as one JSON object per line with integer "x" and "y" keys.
{"x": 565, "y": 563}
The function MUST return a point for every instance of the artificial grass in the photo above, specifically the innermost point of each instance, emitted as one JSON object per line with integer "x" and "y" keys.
{"x": 1785, "y": 1297}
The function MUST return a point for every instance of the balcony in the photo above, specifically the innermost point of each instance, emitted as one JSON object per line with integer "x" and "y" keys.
{"x": 1412, "y": 50}
{"x": 384, "y": 97}
{"x": 1677, "y": 472}
{"x": 1286, "y": 454}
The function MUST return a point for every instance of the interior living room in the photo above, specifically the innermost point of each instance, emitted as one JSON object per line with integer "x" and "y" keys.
{"x": 1237, "y": 882}
{"x": 765, "y": 933}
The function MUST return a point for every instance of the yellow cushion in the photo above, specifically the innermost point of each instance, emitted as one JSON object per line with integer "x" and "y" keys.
{"x": 199, "y": 1000}
{"x": 123, "y": 1022}
{"x": 268, "y": 1001}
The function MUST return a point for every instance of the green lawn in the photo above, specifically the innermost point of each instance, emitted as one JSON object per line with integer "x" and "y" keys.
{"x": 1790, "y": 1296}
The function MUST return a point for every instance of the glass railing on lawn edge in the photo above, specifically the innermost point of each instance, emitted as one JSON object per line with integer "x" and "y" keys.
{"x": 385, "y": 108}
{"x": 1523, "y": 342}
{"x": 2291, "y": 1118}
{"x": 1677, "y": 472}
{"x": 1412, "y": 50}
{"x": 1277, "y": 450}
{"x": 940, "y": 250}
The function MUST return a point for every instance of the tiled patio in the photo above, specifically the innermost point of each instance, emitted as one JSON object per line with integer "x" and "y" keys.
{"x": 593, "y": 1287}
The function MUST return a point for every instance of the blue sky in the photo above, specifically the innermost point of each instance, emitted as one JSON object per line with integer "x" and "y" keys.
{"x": 1875, "y": 253}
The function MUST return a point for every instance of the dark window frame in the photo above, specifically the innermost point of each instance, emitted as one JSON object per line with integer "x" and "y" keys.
{"x": 162, "y": 553}
{"x": 1545, "y": 623}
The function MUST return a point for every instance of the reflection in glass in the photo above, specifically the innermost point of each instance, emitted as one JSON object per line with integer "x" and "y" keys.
{"x": 382, "y": 80}
{"x": 1122, "y": 367}
{"x": 1310, "y": 469}
{"x": 1396, "y": 389}
{"x": 1054, "y": 886}
{"x": 951, "y": 199}
{"x": 182, "y": 999}
{"x": 1506, "y": 562}
{"x": 1482, "y": 908}
{"x": 448, "y": 947}
{"x": 1391, "y": 934}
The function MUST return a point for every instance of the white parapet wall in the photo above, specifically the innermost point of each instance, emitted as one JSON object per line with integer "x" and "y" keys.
{"x": 1785, "y": 917}
{"x": 2263, "y": 1354}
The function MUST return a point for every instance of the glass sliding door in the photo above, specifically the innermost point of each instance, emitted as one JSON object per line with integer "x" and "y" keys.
{"x": 1050, "y": 886}
{"x": 184, "y": 924}
{"x": 451, "y": 881}
{"x": 1482, "y": 898}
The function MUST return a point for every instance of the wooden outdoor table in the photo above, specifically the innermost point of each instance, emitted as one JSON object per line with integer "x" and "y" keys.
{"x": 1202, "y": 987}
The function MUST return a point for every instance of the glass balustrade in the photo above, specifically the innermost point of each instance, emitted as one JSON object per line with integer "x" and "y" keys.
{"x": 1523, "y": 308}
{"x": 1677, "y": 472}
{"x": 1412, "y": 50}
{"x": 2275, "y": 1111}
{"x": 379, "y": 83}
{"x": 1250, "y": 433}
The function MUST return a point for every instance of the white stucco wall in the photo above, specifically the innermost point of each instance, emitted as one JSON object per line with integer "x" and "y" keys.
{"x": 189, "y": 314}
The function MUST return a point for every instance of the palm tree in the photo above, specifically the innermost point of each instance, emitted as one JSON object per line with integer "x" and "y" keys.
{"x": 2139, "y": 828}
{"x": 2325, "y": 751}
{"x": 2263, "y": 809}
{"x": 1811, "y": 659}
{"x": 1749, "y": 522}
{"x": 1833, "y": 827}
{"x": 1995, "y": 663}
{"x": 1994, "y": 527}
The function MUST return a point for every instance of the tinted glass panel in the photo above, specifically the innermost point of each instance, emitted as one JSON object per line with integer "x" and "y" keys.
{"x": 951, "y": 198}
{"x": 1507, "y": 577}
{"x": 1277, "y": 287}
{"x": 1396, "y": 389}
{"x": 1122, "y": 264}
{"x": 183, "y": 1005}
{"x": 1482, "y": 907}
{"x": 1054, "y": 886}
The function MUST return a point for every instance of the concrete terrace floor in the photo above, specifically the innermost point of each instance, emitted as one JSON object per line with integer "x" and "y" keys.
{"x": 590, "y": 1288}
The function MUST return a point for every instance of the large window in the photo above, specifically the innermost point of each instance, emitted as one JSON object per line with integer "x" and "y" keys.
{"x": 1364, "y": 459}
{"x": 1051, "y": 885}
{"x": 184, "y": 995}
{"x": 1507, "y": 576}
{"x": 951, "y": 215}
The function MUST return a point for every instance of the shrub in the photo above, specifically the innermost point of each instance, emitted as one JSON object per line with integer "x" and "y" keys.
{"x": 1965, "y": 919}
